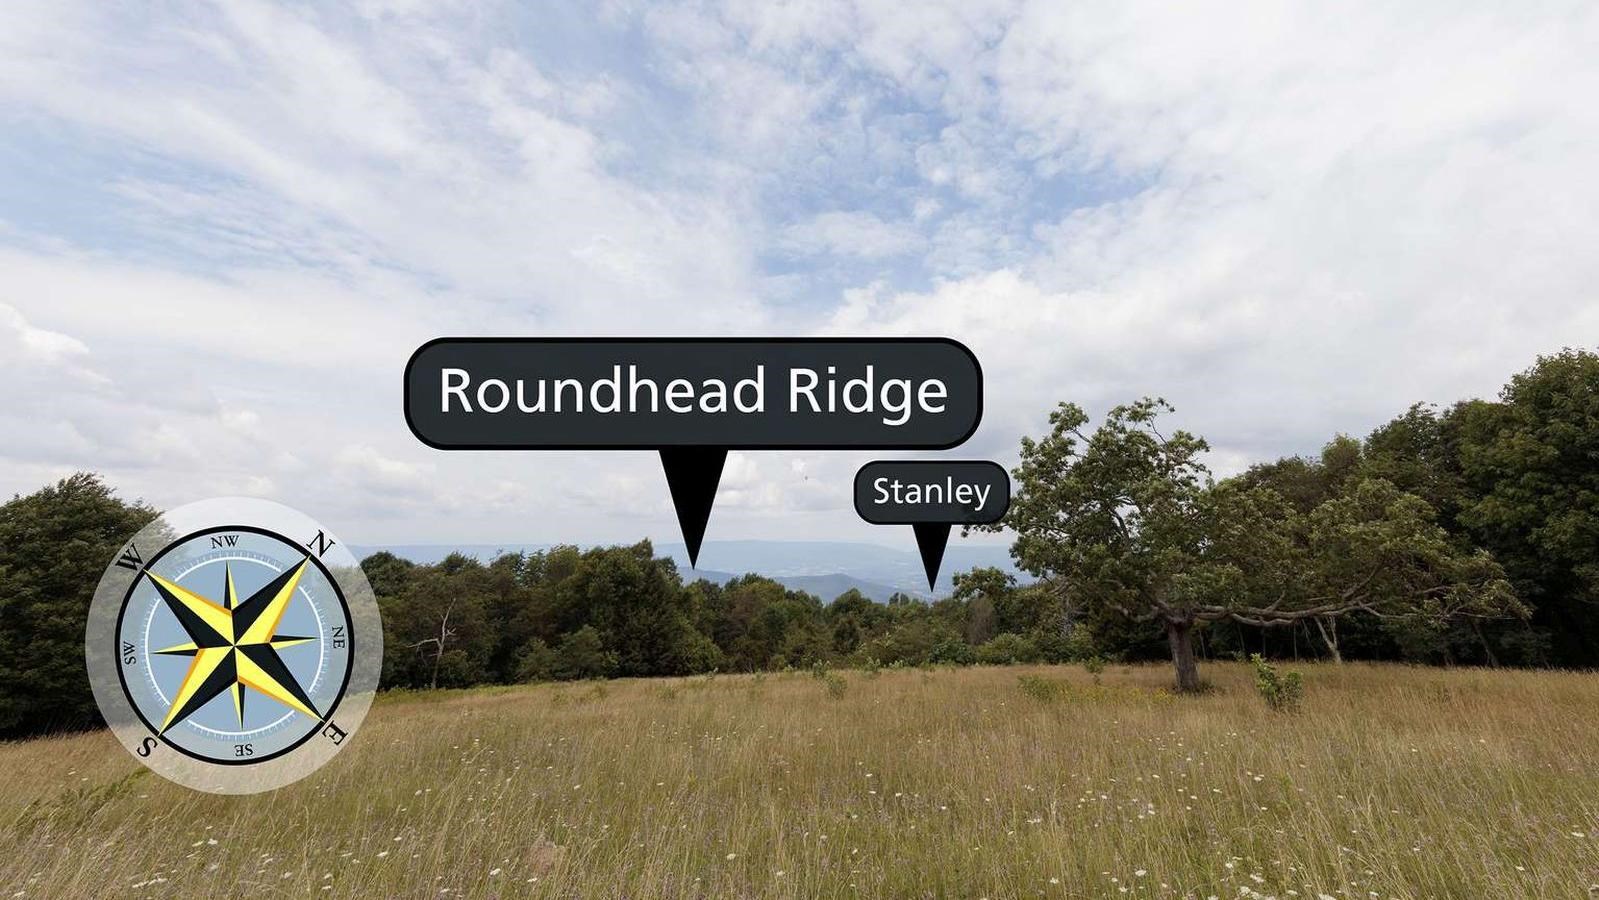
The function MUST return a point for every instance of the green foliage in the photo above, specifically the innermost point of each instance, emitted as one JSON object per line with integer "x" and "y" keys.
{"x": 1080, "y": 644}
{"x": 1127, "y": 520}
{"x": 834, "y": 684}
{"x": 1044, "y": 690}
{"x": 914, "y": 640}
{"x": 1007, "y": 649}
{"x": 54, "y": 545}
{"x": 1529, "y": 462}
{"x": 536, "y": 661}
{"x": 948, "y": 652}
{"x": 582, "y": 654}
{"x": 387, "y": 573}
{"x": 1095, "y": 666}
{"x": 636, "y": 604}
{"x": 1282, "y": 692}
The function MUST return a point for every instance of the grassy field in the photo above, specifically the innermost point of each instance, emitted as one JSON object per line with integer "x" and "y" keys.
{"x": 1392, "y": 782}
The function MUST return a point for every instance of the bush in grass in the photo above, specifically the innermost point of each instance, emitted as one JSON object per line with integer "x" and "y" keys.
{"x": 1043, "y": 690}
{"x": 952, "y": 652}
{"x": 834, "y": 684}
{"x": 1094, "y": 665}
{"x": 1281, "y": 691}
{"x": 1007, "y": 649}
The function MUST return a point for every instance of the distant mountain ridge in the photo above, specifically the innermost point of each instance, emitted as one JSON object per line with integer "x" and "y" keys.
{"x": 823, "y": 568}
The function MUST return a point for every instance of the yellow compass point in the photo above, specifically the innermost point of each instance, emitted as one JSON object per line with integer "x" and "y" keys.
{"x": 213, "y": 615}
{"x": 248, "y": 655}
{"x": 253, "y": 676}
{"x": 185, "y": 649}
{"x": 290, "y": 641}
{"x": 206, "y": 661}
{"x": 266, "y": 624}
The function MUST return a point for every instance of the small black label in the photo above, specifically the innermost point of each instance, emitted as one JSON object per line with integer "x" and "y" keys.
{"x": 909, "y": 492}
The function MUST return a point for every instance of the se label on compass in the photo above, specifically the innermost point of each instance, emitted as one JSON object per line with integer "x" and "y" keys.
{"x": 234, "y": 645}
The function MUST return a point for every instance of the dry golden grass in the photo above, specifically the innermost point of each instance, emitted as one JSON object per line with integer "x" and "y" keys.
{"x": 1393, "y": 782}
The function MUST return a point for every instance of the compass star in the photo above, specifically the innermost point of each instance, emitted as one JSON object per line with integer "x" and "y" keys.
{"x": 234, "y": 645}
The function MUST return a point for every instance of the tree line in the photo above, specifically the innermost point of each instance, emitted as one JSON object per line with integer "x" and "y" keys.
{"x": 1459, "y": 535}
{"x": 1468, "y": 534}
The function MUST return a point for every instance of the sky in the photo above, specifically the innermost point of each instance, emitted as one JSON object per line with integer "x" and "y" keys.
{"x": 224, "y": 227}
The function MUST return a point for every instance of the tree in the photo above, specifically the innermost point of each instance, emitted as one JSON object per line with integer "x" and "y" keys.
{"x": 1129, "y": 520}
{"x": 639, "y": 609}
{"x": 387, "y": 573}
{"x": 1379, "y": 548}
{"x": 982, "y": 590}
{"x": 1007, "y": 649}
{"x": 54, "y": 545}
{"x": 438, "y": 631}
{"x": 1419, "y": 452}
{"x": 536, "y": 661}
{"x": 1532, "y": 463}
{"x": 855, "y": 619}
{"x": 913, "y": 641}
{"x": 582, "y": 654}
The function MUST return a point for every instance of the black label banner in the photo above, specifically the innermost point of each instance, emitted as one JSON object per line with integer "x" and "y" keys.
{"x": 911, "y": 492}
{"x": 652, "y": 393}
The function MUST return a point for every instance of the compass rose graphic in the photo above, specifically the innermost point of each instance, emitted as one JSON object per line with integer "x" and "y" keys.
{"x": 234, "y": 645}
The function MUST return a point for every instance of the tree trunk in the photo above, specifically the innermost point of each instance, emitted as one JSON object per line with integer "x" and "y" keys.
{"x": 1328, "y": 626}
{"x": 1181, "y": 637}
{"x": 444, "y": 635}
{"x": 1487, "y": 649}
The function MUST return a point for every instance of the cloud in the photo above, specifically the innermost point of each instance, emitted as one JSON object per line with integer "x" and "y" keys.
{"x": 225, "y": 227}
{"x": 850, "y": 234}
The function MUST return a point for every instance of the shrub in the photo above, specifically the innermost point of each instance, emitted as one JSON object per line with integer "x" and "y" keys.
{"x": 1007, "y": 649}
{"x": 1281, "y": 691}
{"x": 536, "y": 661}
{"x": 1080, "y": 644}
{"x": 912, "y": 642}
{"x": 835, "y": 684}
{"x": 1041, "y": 689}
{"x": 951, "y": 652}
{"x": 583, "y": 655}
{"x": 1094, "y": 665}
